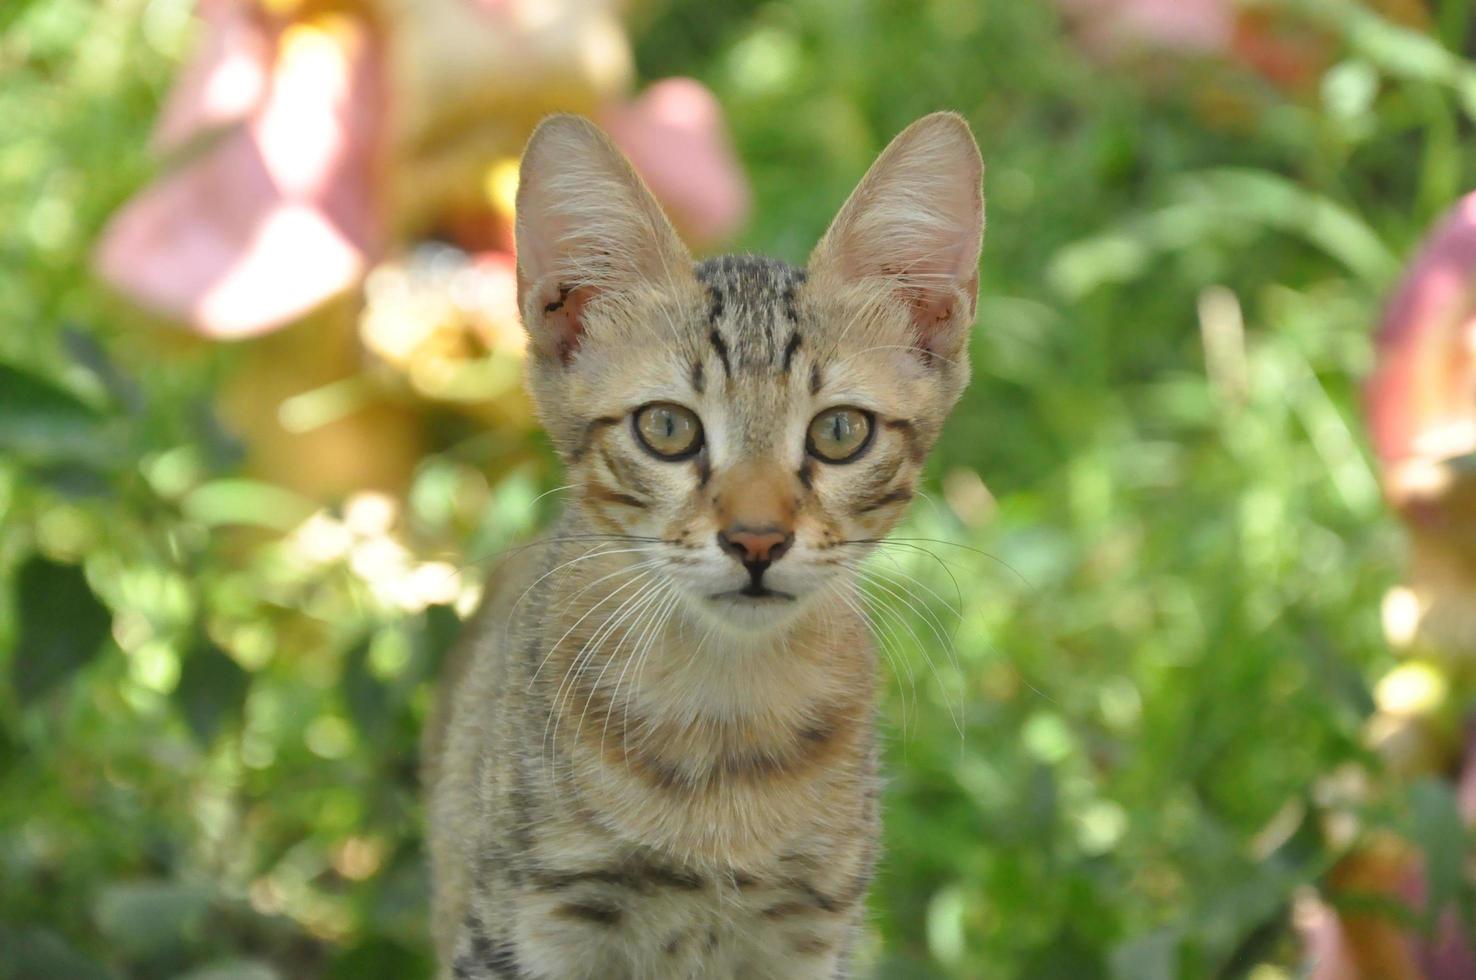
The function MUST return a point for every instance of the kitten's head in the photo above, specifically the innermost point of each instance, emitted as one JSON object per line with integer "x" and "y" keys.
{"x": 756, "y": 425}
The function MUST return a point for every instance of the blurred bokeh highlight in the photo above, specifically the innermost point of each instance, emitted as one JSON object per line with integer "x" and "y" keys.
{"x": 1180, "y": 640}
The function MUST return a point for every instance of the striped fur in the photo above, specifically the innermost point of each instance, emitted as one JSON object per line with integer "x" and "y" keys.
{"x": 638, "y": 770}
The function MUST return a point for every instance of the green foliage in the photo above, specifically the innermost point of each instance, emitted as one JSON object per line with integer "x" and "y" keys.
{"x": 1134, "y": 648}
{"x": 62, "y": 624}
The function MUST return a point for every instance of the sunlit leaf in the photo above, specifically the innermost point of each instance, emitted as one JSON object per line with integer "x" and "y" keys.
{"x": 246, "y": 502}
{"x": 12, "y": 10}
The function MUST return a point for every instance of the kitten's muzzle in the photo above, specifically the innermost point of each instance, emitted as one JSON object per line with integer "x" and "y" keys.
{"x": 755, "y": 548}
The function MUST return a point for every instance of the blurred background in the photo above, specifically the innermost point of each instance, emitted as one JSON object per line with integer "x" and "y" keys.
{"x": 1179, "y": 642}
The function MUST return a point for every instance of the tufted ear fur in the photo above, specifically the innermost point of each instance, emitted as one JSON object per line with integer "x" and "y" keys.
{"x": 587, "y": 227}
{"x": 914, "y": 227}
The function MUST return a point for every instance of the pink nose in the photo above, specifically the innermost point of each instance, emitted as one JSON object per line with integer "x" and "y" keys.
{"x": 755, "y": 546}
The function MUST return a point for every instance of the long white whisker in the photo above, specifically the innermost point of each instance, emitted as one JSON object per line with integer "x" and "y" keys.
{"x": 575, "y": 625}
{"x": 587, "y": 653}
{"x": 591, "y": 553}
{"x": 943, "y": 688}
{"x": 642, "y": 618}
{"x": 649, "y": 638}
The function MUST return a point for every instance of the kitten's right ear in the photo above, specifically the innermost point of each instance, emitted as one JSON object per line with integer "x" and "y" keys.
{"x": 587, "y": 227}
{"x": 914, "y": 227}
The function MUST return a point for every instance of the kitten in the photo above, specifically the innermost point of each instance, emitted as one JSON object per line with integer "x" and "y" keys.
{"x": 658, "y": 756}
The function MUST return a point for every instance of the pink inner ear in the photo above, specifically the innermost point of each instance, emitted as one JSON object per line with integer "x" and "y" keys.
{"x": 929, "y": 313}
{"x": 562, "y": 330}
{"x": 935, "y": 317}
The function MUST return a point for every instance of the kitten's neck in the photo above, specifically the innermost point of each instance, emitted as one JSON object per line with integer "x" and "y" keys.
{"x": 720, "y": 671}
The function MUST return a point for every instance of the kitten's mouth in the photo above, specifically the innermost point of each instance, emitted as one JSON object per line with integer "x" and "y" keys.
{"x": 753, "y": 593}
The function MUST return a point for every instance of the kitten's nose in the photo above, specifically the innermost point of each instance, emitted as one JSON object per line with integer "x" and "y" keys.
{"x": 756, "y": 547}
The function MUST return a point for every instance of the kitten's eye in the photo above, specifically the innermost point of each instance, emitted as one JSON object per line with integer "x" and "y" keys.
{"x": 839, "y": 435}
{"x": 669, "y": 431}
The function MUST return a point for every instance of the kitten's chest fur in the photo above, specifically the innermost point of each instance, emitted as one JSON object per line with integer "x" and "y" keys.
{"x": 620, "y": 792}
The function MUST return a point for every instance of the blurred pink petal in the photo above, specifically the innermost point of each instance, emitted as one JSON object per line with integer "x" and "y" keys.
{"x": 1446, "y": 955}
{"x": 226, "y": 78}
{"x": 675, "y": 136}
{"x": 1324, "y": 942}
{"x": 1421, "y": 398}
{"x": 1114, "y": 26}
{"x": 277, "y": 217}
{"x": 216, "y": 245}
{"x": 499, "y": 7}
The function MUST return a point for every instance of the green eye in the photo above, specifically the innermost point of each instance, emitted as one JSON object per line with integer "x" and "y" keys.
{"x": 668, "y": 431}
{"x": 839, "y": 435}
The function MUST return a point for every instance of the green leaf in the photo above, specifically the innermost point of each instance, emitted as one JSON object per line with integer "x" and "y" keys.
{"x": 1441, "y": 835}
{"x": 1277, "y": 202}
{"x": 62, "y": 625}
{"x": 212, "y": 690}
{"x": 11, "y": 12}
{"x": 40, "y": 421}
{"x": 440, "y": 627}
{"x": 143, "y": 918}
{"x": 246, "y": 502}
{"x": 87, "y": 353}
{"x": 233, "y": 969}
{"x": 367, "y": 699}
{"x": 1066, "y": 955}
{"x": 74, "y": 480}
{"x": 1150, "y": 956}
{"x": 32, "y": 952}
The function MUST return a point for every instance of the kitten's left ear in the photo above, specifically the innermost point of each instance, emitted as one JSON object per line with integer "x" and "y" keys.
{"x": 915, "y": 225}
{"x": 587, "y": 229}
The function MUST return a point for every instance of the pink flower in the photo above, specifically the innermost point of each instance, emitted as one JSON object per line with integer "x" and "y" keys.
{"x": 1421, "y": 398}
{"x": 675, "y": 137}
{"x": 225, "y": 80}
{"x": 299, "y": 123}
{"x": 1112, "y": 27}
{"x": 278, "y": 215}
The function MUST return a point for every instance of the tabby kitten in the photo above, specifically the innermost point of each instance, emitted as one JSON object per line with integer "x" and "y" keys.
{"x": 657, "y": 757}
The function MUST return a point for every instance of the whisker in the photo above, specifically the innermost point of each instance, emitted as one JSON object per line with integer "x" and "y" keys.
{"x": 957, "y": 611}
{"x": 607, "y": 597}
{"x": 649, "y": 637}
{"x": 638, "y": 566}
{"x": 587, "y": 652}
{"x": 919, "y": 609}
{"x": 590, "y": 554}
{"x": 983, "y": 554}
{"x": 889, "y": 646}
{"x": 639, "y": 616}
